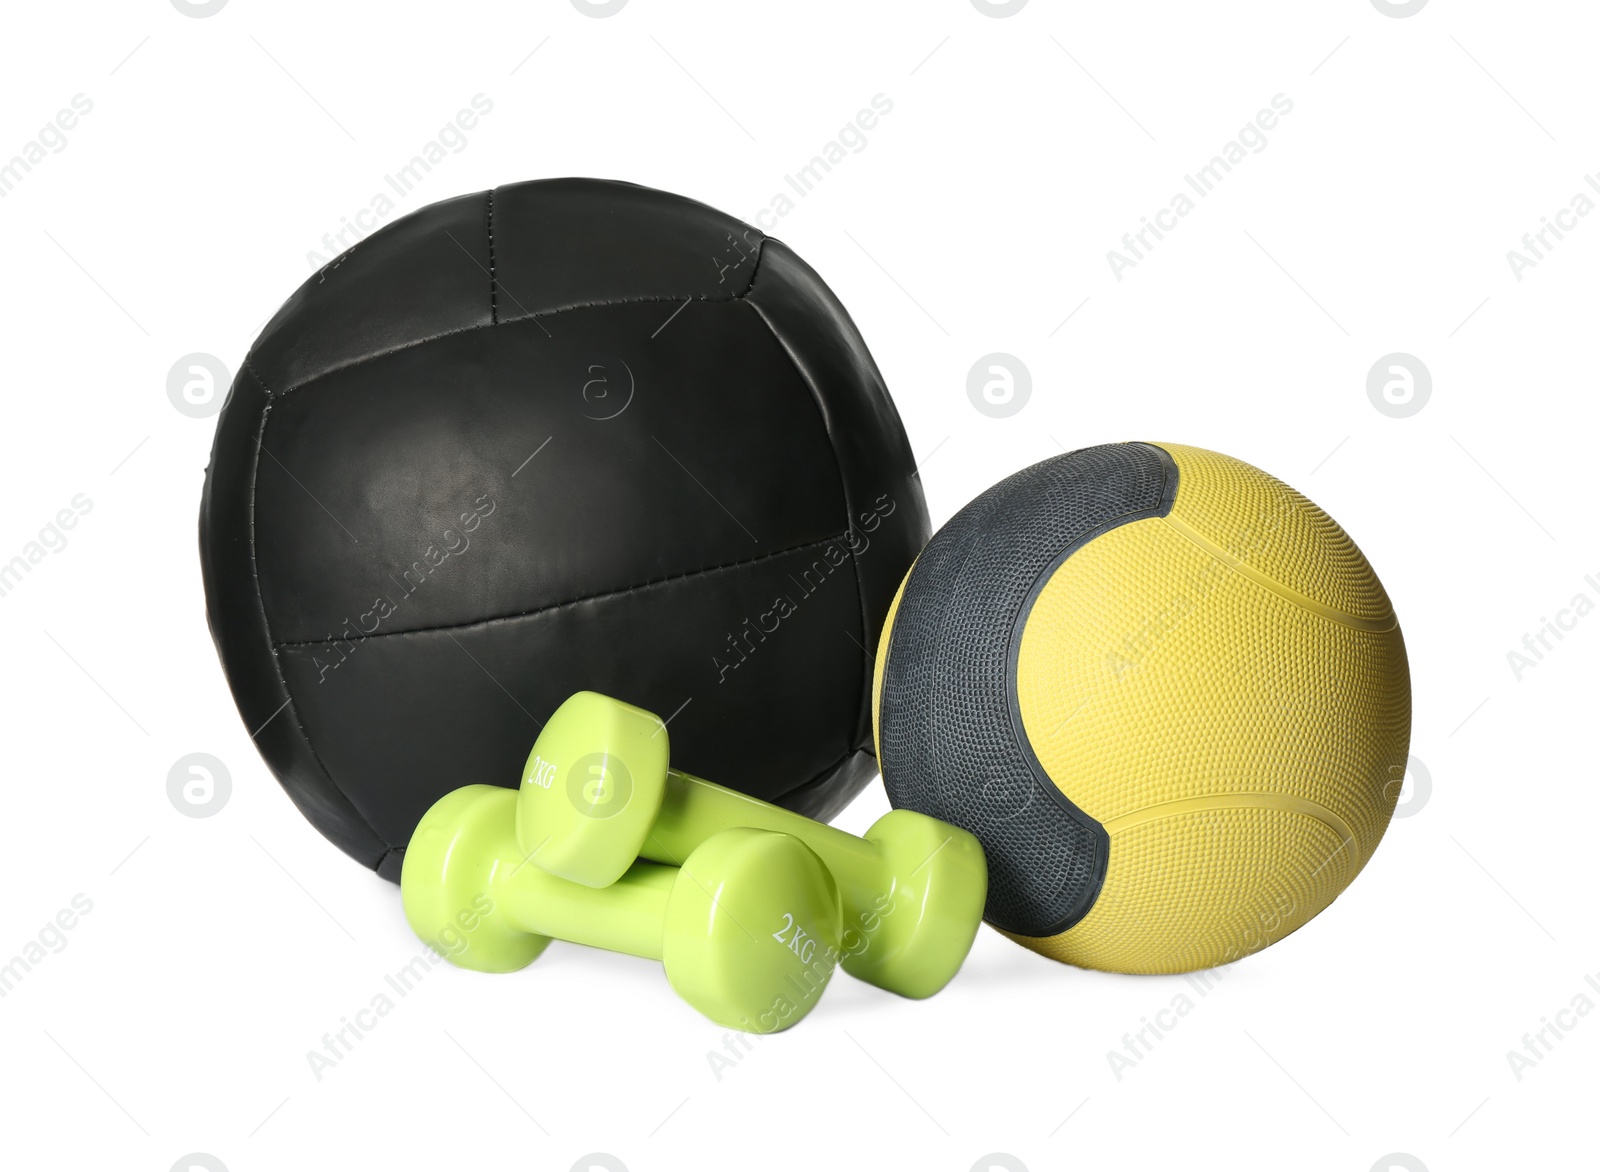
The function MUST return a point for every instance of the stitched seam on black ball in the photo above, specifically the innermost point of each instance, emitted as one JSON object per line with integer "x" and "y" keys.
{"x": 844, "y": 491}
{"x": 761, "y": 251}
{"x": 1042, "y": 779}
{"x": 272, "y": 647}
{"x": 604, "y": 596}
{"x": 494, "y": 308}
{"x": 531, "y": 320}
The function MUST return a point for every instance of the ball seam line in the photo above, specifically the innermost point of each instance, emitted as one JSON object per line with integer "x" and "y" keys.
{"x": 272, "y": 647}
{"x": 1283, "y": 803}
{"x": 844, "y": 488}
{"x": 603, "y": 596}
{"x": 1287, "y": 593}
{"x": 531, "y": 319}
{"x": 494, "y": 305}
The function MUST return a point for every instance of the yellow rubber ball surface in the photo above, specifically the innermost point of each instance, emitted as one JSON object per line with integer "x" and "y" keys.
{"x": 1224, "y": 689}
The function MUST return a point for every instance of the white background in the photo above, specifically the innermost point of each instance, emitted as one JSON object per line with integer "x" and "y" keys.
{"x": 177, "y": 1015}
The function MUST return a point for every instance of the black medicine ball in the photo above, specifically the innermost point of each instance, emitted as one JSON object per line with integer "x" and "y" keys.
{"x": 561, "y": 435}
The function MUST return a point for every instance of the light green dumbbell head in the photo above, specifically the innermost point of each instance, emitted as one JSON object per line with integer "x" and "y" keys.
{"x": 753, "y": 929}
{"x": 445, "y": 880}
{"x": 591, "y": 788}
{"x": 914, "y": 938}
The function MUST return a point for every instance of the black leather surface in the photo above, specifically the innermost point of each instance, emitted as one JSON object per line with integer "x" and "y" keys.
{"x": 424, "y": 275}
{"x": 651, "y": 245}
{"x": 438, "y": 504}
{"x": 885, "y": 503}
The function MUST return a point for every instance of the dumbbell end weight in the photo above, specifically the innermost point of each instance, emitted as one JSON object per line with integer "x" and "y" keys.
{"x": 591, "y": 788}
{"x": 469, "y": 891}
{"x": 913, "y": 887}
{"x": 753, "y": 930}
{"x": 445, "y": 880}
{"x": 913, "y": 938}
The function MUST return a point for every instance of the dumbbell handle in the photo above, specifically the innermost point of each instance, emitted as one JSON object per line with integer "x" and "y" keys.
{"x": 692, "y": 809}
{"x": 628, "y": 916}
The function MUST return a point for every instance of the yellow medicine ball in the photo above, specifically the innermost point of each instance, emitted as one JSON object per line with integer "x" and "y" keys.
{"x": 1166, "y": 692}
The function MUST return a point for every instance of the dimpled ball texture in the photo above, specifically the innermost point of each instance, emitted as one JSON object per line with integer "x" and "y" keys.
{"x": 1165, "y": 691}
{"x": 563, "y": 435}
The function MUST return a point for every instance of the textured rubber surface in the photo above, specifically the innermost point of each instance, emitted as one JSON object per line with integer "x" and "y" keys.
{"x": 1237, "y": 713}
{"x": 1195, "y": 890}
{"x": 949, "y": 741}
{"x": 1223, "y": 690}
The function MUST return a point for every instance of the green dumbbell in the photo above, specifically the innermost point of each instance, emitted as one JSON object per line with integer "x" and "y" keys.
{"x": 597, "y": 794}
{"x": 748, "y": 929}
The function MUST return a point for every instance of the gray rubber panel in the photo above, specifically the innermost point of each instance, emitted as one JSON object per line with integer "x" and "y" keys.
{"x": 952, "y": 743}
